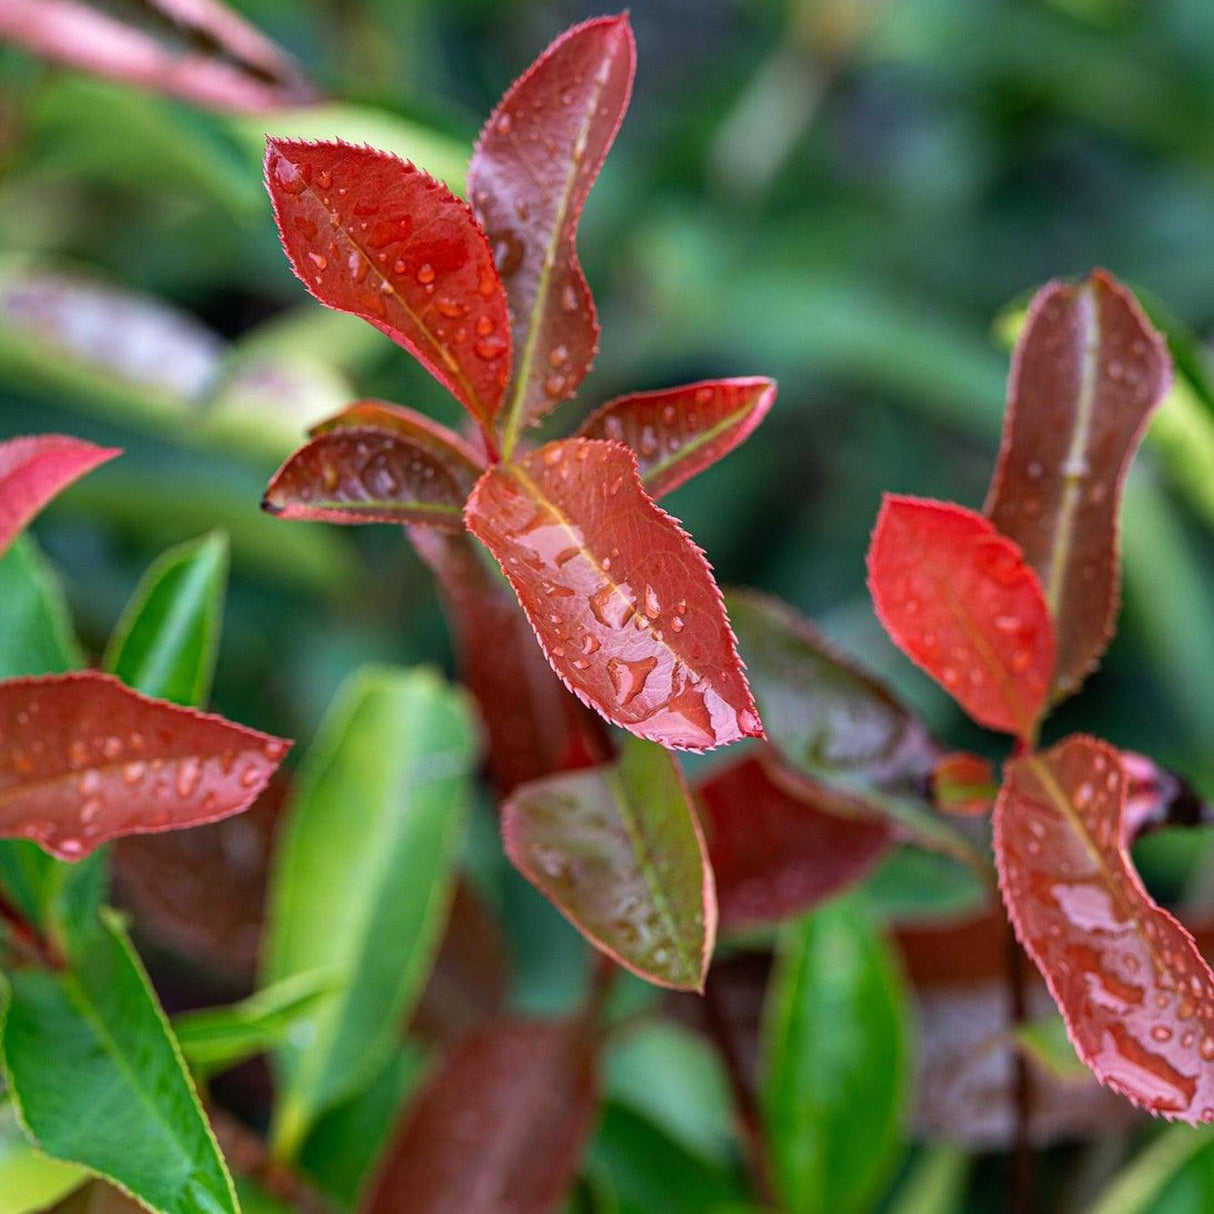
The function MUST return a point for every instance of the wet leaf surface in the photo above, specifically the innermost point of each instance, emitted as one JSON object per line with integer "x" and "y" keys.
{"x": 678, "y": 432}
{"x": 960, "y": 601}
{"x": 621, "y": 600}
{"x": 775, "y": 855}
{"x": 35, "y": 470}
{"x": 1137, "y": 995}
{"x": 1088, "y": 371}
{"x": 84, "y": 759}
{"x": 528, "y": 180}
{"x": 370, "y": 234}
{"x": 500, "y": 1127}
{"x": 619, "y": 851}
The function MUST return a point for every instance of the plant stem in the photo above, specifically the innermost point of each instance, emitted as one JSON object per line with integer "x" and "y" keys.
{"x": 26, "y": 937}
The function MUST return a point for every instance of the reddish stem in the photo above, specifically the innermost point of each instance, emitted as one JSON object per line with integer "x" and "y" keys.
{"x": 28, "y": 940}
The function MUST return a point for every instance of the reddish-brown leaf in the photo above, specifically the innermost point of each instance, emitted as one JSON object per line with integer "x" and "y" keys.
{"x": 1089, "y": 369}
{"x": 419, "y": 429}
{"x": 34, "y": 470}
{"x": 234, "y": 67}
{"x": 499, "y": 1128}
{"x": 1156, "y": 797}
{"x": 960, "y": 601}
{"x": 84, "y": 759}
{"x": 370, "y": 234}
{"x": 364, "y": 475}
{"x": 535, "y": 726}
{"x": 775, "y": 855}
{"x": 1137, "y": 994}
{"x": 530, "y": 174}
{"x": 623, "y": 603}
{"x": 678, "y": 432}
{"x": 963, "y": 783}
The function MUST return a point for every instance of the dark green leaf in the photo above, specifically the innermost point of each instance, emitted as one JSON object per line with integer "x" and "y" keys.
{"x": 37, "y": 636}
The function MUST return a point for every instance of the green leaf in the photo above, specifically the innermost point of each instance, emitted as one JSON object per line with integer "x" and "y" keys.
{"x": 37, "y": 636}
{"x": 165, "y": 644}
{"x": 363, "y": 878}
{"x": 834, "y": 1063}
{"x": 935, "y": 1184}
{"x": 215, "y": 1039}
{"x": 1136, "y": 1188}
{"x": 29, "y": 1180}
{"x": 1047, "y": 1043}
{"x": 98, "y": 1080}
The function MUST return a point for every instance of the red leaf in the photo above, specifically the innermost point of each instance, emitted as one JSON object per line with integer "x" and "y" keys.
{"x": 535, "y": 726}
{"x": 776, "y": 855}
{"x": 960, "y": 601}
{"x": 34, "y": 470}
{"x": 84, "y": 759}
{"x": 618, "y": 851}
{"x": 1088, "y": 371}
{"x": 963, "y": 783}
{"x": 407, "y": 423}
{"x": 530, "y": 174}
{"x": 621, "y": 600}
{"x": 500, "y": 1127}
{"x": 240, "y": 69}
{"x": 370, "y": 234}
{"x": 678, "y": 432}
{"x": 1156, "y": 797}
{"x": 1137, "y": 995}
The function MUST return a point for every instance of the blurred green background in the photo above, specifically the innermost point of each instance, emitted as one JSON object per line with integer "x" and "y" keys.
{"x": 839, "y": 193}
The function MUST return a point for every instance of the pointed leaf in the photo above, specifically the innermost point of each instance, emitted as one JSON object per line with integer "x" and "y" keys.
{"x": 370, "y": 234}
{"x": 84, "y": 759}
{"x": 961, "y": 602}
{"x": 963, "y": 783}
{"x": 1156, "y": 797}
{"x": 678, "y": 432}
{"x": 823, "y": 713}
{"x": 500, "y": 1127}
{"x": 1137, "y": 994}
{"x": 167, "y": 640}
{"x": 37, "y": 637}
{"x": 363, "y": 878}
{"x": 34, "y": 470}
{"x": 1089, "y": 370}
{"x": 97, "y": 1078}
{"x": 835, "y": 1057}
{"x": 775, "y": 855}
{"x": 528, "y": 180}
{"x": 619, "y": 851}
{"x": 364, "y": 475}
{"x": 621, "y": 600}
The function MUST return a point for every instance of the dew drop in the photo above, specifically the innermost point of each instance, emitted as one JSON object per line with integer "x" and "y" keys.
{"x": 503, "y": 124}
{"x": 319, "y": 260}
{"x": 628, "y": 677}
{"x": 425, "y": 274}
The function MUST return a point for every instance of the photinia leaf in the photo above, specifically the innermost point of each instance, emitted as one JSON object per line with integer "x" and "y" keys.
{"x": 961, "y": 602}
{"x": 775, "y": 855}
{"x": 370, "y": 234}
{"x": 97, "y": 1078}
{"x": 1156, "y": 797}
{"x": 619, "y": 851}
{"x": 678, "y": 432}
{"x": 1088, "y": 371}
{"x": 824, "y": 714}
{"x": 1137, "y": 994}
{"x": 419, "y": 429}
{"x": 963, "y": 783}
{"x": 37, "y": 637}
{"x": 235, "y": 68}
{"x": 34, "y": 470}
{"x": 499, "y": 1128}
{"x": 84, "y": 759}
{"x": 528, "y": 180}
{"x": 621, "y": 600}
{"x": 167, "y": 640}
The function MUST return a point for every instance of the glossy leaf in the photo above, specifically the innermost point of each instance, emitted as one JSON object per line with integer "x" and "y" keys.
{"x": 621, "y": 600}
{"x": 442, "y": 443}
{"x": 363, "y": 877}
{"x": 676, "y": 433}
{"x": 34, "y": 470}
{"x": 528, "y": 180}
{"x": 963, "y": 783}
{"x": 370, "y": 234}
{"x": 239, "y": 69}
{"x": 84, "y": 759}
{"x": 834, "y": 1063}
{"x": 960, "y": 601}
{"x": 37, "y": 636}
{"x": 1136, "y": 992}
{"x": 1088, "y": 371}
{"x": 364, "y": 475}
{"x": 499, "y": 1128}
{"x": 97, "y": 1078}
{"x": 619, "y": 851}
{"x": 776, "y": 855}
{"x": 167, "y": 640}
{"x": 828, "y": 717}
